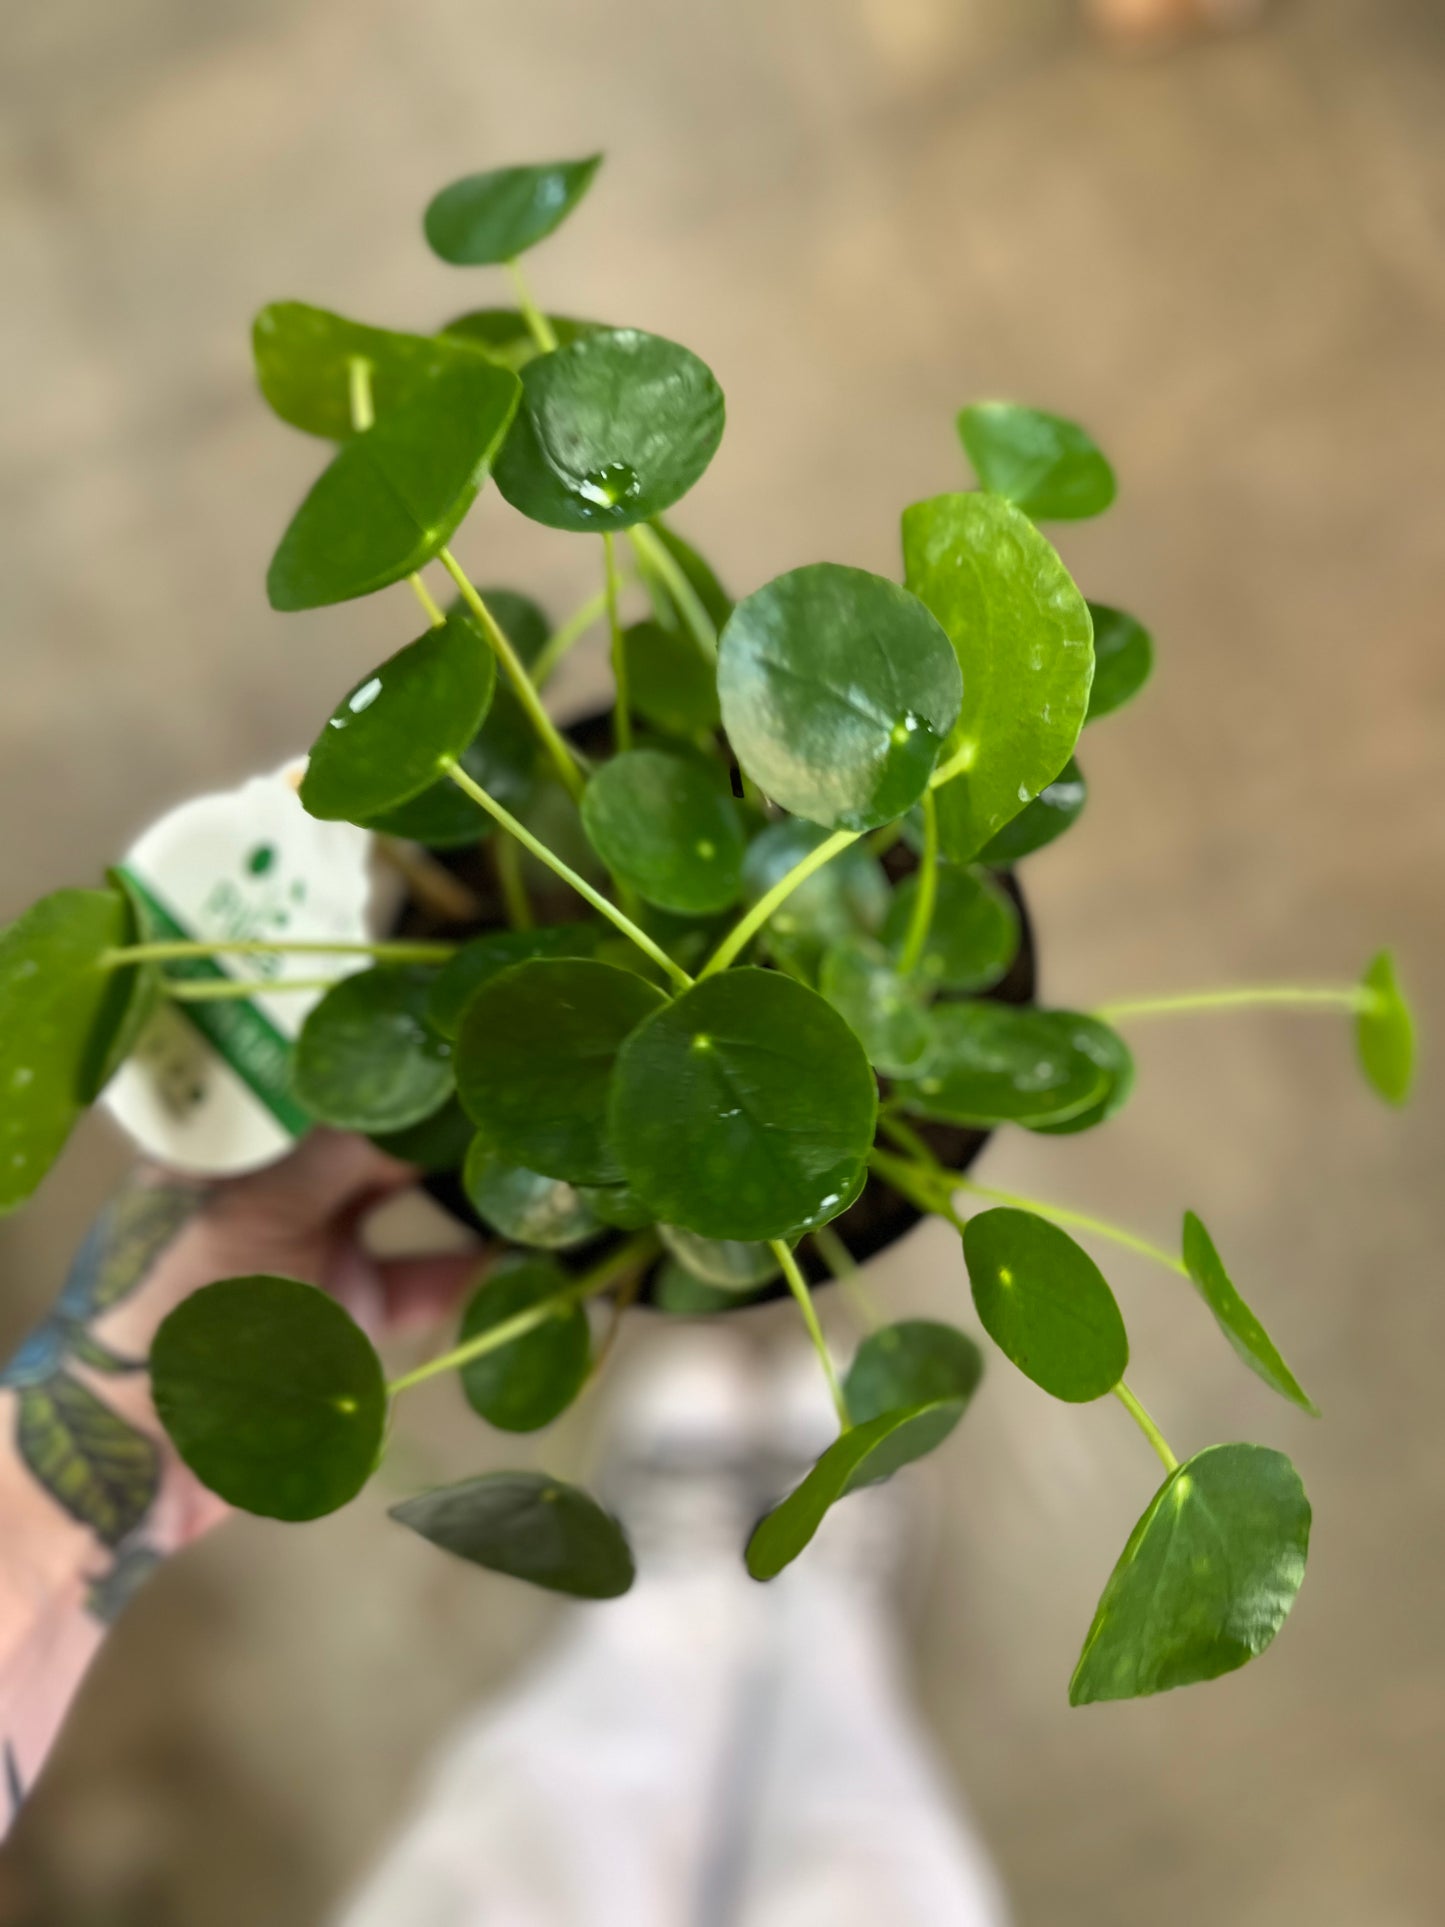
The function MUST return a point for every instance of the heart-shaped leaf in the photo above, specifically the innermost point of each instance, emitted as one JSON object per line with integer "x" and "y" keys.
{"x": 865, "y": 1455}
{"x": 884, "y": 1011}
{"x": 1235, "y": 1319}
{"x": 669, "y": 680}
{"x": 384, "y": 743}
{"x": 60, "y": 1012}
{"x": 484, "y": 219}
{"x": 463, "y": 975}
{"x": 610, "y": 431}
{"x": 848, "y": 897}
{"x": 973, "y": 937}
{"x": 1385, "y": 1032}
{"x": 837, "y": 690}
{"x": 394, "y": 495}
{"x": 271, "y": 1394}
{"x": 523, "y": 1205}
{"x": 663, "y": 824}
{"x": 915, "y": 1362}
{"x": 366, "y": 1059}
{"x": 528, "y": 1526}
{"x": 1057, "y": 805}
{"x": 1050, "y": 467}
{"x": 305, "y": 356}
{"x": 1206, "y": 1580}
{"x": 523, "y": 1386}
{"x": 535, "y": 1055}
{"x": 727, "y": 1263}
{"x": 1104, "y": 1048}
{"x": 999, "y": 1064}
{"x": 1123, "y": 658}
{"x": 1045, "y": 1304}
{"x": 506, "y": 335}
{"x": 1024, "y": 639}
{"x": 743, "y": 1109}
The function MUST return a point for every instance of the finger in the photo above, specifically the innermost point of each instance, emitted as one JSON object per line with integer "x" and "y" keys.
{"x": 421, "y": 1290}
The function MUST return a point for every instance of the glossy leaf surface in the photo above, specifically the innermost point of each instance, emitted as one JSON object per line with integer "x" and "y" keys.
{"x": 271, "y": 1394}
{"x": 1234, "y": 1318}
{"x": 1024, "y": 639}
{"x": 662, "y": 824}
{"x": 484, "y": 219}
{"x": 1057, "y": 805}
{"x": 1045, "y": 1304}
{"x": 724, "y": 1262}
{"x": 528, "y": 1526}
{"x": 837, "y": 690}
{"x": 974, "y": 935}
{"x": 366, "y": 1059}
{"x": 884, "y": 1011}
{"x": 525, "y": 1385}
{"x": 669, "y": 680}
{"x": 1123, "y": 659}
{"x": 744, "y": 1109}
{"x": 1051, "y": 468}
{"x": 463, "y": 975}
{"x": 523, "y": 1205}
{"x": 1207, "y": 1578}
{"x": 1000, "y": 1064}
{"x": 1385, "y": 1032}
{"x": 1104, "y": 1048}
{"x": 304, "y": 359}
{"x": 848, "y": 897}
{"x": 610, "y": 431}
{"x": 914, "y": 1362}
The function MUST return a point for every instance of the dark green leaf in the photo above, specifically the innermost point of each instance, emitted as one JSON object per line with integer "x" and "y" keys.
{"x": 837, "y": 690}
{"x": 1385, "y": 1031}
{"x": 610, "y": 431}
{"x": 744, "y": 1109}
{"x": 487, "y": 218}
{"x": 1206, "y": 1580}
{"x": 1106, "y": 1049}
{"x": 669, "y": 681}
{"x": 973, "y": 937}
{"x": 523, "y": 1205}
{"x": 727, "y": 1263}
{"x": 848, "y": 897}
{"x": 915, "y": 1362}
{"x": 535, "y": 1057}
{"x": 394, "y": 495}
{"x": 1234, "y": 1318}
{"x": 1123, "y": 658}
{"x": 1050, "y": 467}
{"x": 385, "y": 742}
{"x": 884, "y": 1011}
{"x": 99, "y": 1467}
{"x": 135, "y": 992}
{"x": 366, "y": 1059}
{"x": 1045, "y": 1304}
{"x": 504, "y": 333}
{"x": 1055, "y": 807}
{"x": 1022, "y": 633}
{"x": 271, "y": 1394}
{"x": 661, "y": 823}
{"x": 60, "y": 1012}
{"x": 866, "y": 1455}
{"x": 702, "y": 579}
{"x": 304, "y": 359}
{"x": 528, "y": 1526}
{"x": 999, "y": 1064}
{"x": 523, "y": 1386}
{"x": 439, "y": 1143}
{"x": 463, "y": 975}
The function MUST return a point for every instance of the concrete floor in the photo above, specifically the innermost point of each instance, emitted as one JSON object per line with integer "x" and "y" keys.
{"x": 862, "y": 213}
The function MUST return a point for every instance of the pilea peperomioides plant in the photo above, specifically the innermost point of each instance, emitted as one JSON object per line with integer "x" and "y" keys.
{"x": 754, "y": 978}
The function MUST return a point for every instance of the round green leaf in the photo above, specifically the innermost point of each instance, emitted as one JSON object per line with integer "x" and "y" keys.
{"x": 528, "y": 1526}
{"x": 1045, "y": 1304}
{"x": 610, "y": 430}
{"x": 837, "y": 690}
{"x": 1104, "y": 1048}
{"x": 1023, "y": 636}
{"x": 884, "y": 1011}
{"x": 728, "y": 1264}
{"x": 1123, "y": 658}
{"x": 60, "y": 1013}
{"x": 523, "y": 1205}
{"x": 534, "y": 1061}
{"x": 1206, "y": 1580}
{"x": 394, "y": 495}
{"x": 304, "y": 359}
{"x": 487, "y": 218}
{"x": 744, "y": 1109}
{"x": 1235, "y": 1319}
{"x": 1050, "y": 467}
{"x": 463, "y": 975}
{"x": 848, "y": 897}
{"x": 1000, "y": 1064}
{"x": 438, "y": 1143}
{"x": 507, "y": 336}
{"x": 1385, "y": 1032}
{"x": 523, "y": 1386}
{"x": 915, "y": 1362}
{"x": 662, "y": 824}
{"x": 366, "y": 1059}
{"x": 384, "y": 743}
{"x": 615, "y": 1205}
{"x": 669, "y": 680}
{"x": 973, "y": 937}
{"x": 1056, "y": 806}
{"x": 866, "y": 1455}
{"x": 271, "y": 1394}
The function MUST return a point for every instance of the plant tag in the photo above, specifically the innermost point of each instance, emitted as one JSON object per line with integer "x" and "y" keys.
{"x": 208, "y": 1088}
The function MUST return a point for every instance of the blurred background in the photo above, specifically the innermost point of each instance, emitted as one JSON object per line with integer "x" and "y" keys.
{"x": 1226, "y": 255}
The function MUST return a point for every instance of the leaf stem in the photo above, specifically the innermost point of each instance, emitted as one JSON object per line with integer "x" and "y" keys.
{"x": 798, "y": 1285}
{"x": 844, "y": 1268}
{"x": 653, "y": 554}
{"x": 556, "y": 746}
{"x": 962, "y": 759}
{"x": 173, "y": 951}
{"x": 506, "y": 860}
{"x": 1060, "y": 1214}
{"x": 191, "y": 990}
{"x": 921, "y": 920}
{"x": 363, "y": 415}
{"x": 542, "y": 331}
{"x": 621, "y": 718}
{"x": 572, "y": 631}
{"x": 1146, "y": 1425}
{"x": 743, "y": 932}
{"x": 1289, "y": 997}
{"x": 427, "y": 600}
{"x": 568, "y": 875}
{"x": 636, "y": 1251}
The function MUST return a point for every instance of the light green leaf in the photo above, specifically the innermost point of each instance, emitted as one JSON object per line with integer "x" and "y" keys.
{"x": 662, "y": 824}
{"x": 848, "y": 897}
{"x": 1003, "y": 1064}
{"x": 525, "y": 1385}
{"x": 884, "y": 1011}
{"x": 1104, "y": 1048}
{"x": 1235, "y": 1319}
{"x": 485, "y": 219}
{"x": 974, "y": 935}
{"x": 1385, "y": 1032}
{"x": 1123, "y": 659}
{"x": 1057, "y": 805}
{"x": 366, "y": 1059}
{"x": 524, "y": 1205}
{"x": 528, "y": 1526}
{"x": 1045, "y": 1304}
{"x": 304, "y": 359}
{"x": 915, "y": 1362}
{"x": 504, "y": 333}
{"x": 1050, "y": 467}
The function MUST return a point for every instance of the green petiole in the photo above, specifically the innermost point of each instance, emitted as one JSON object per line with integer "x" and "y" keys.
{"x": 173, "y": 951}
{"x": 655, "y": 556}
{"x": 561, "y": 640}
{"x": 1146, "y": 1425}
{"x": 622, "y": 720}
{"x": 798, "y": 1285}
{"x": 921, "y": 920}
{"x": 542, "y": 331}
{"x": 743, "y": 932}
{"x": 1286, "y": 997}
{"x": 185, "y": 990}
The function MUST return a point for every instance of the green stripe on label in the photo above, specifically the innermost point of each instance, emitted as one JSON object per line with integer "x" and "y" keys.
{"x": 235, "y": 1029}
